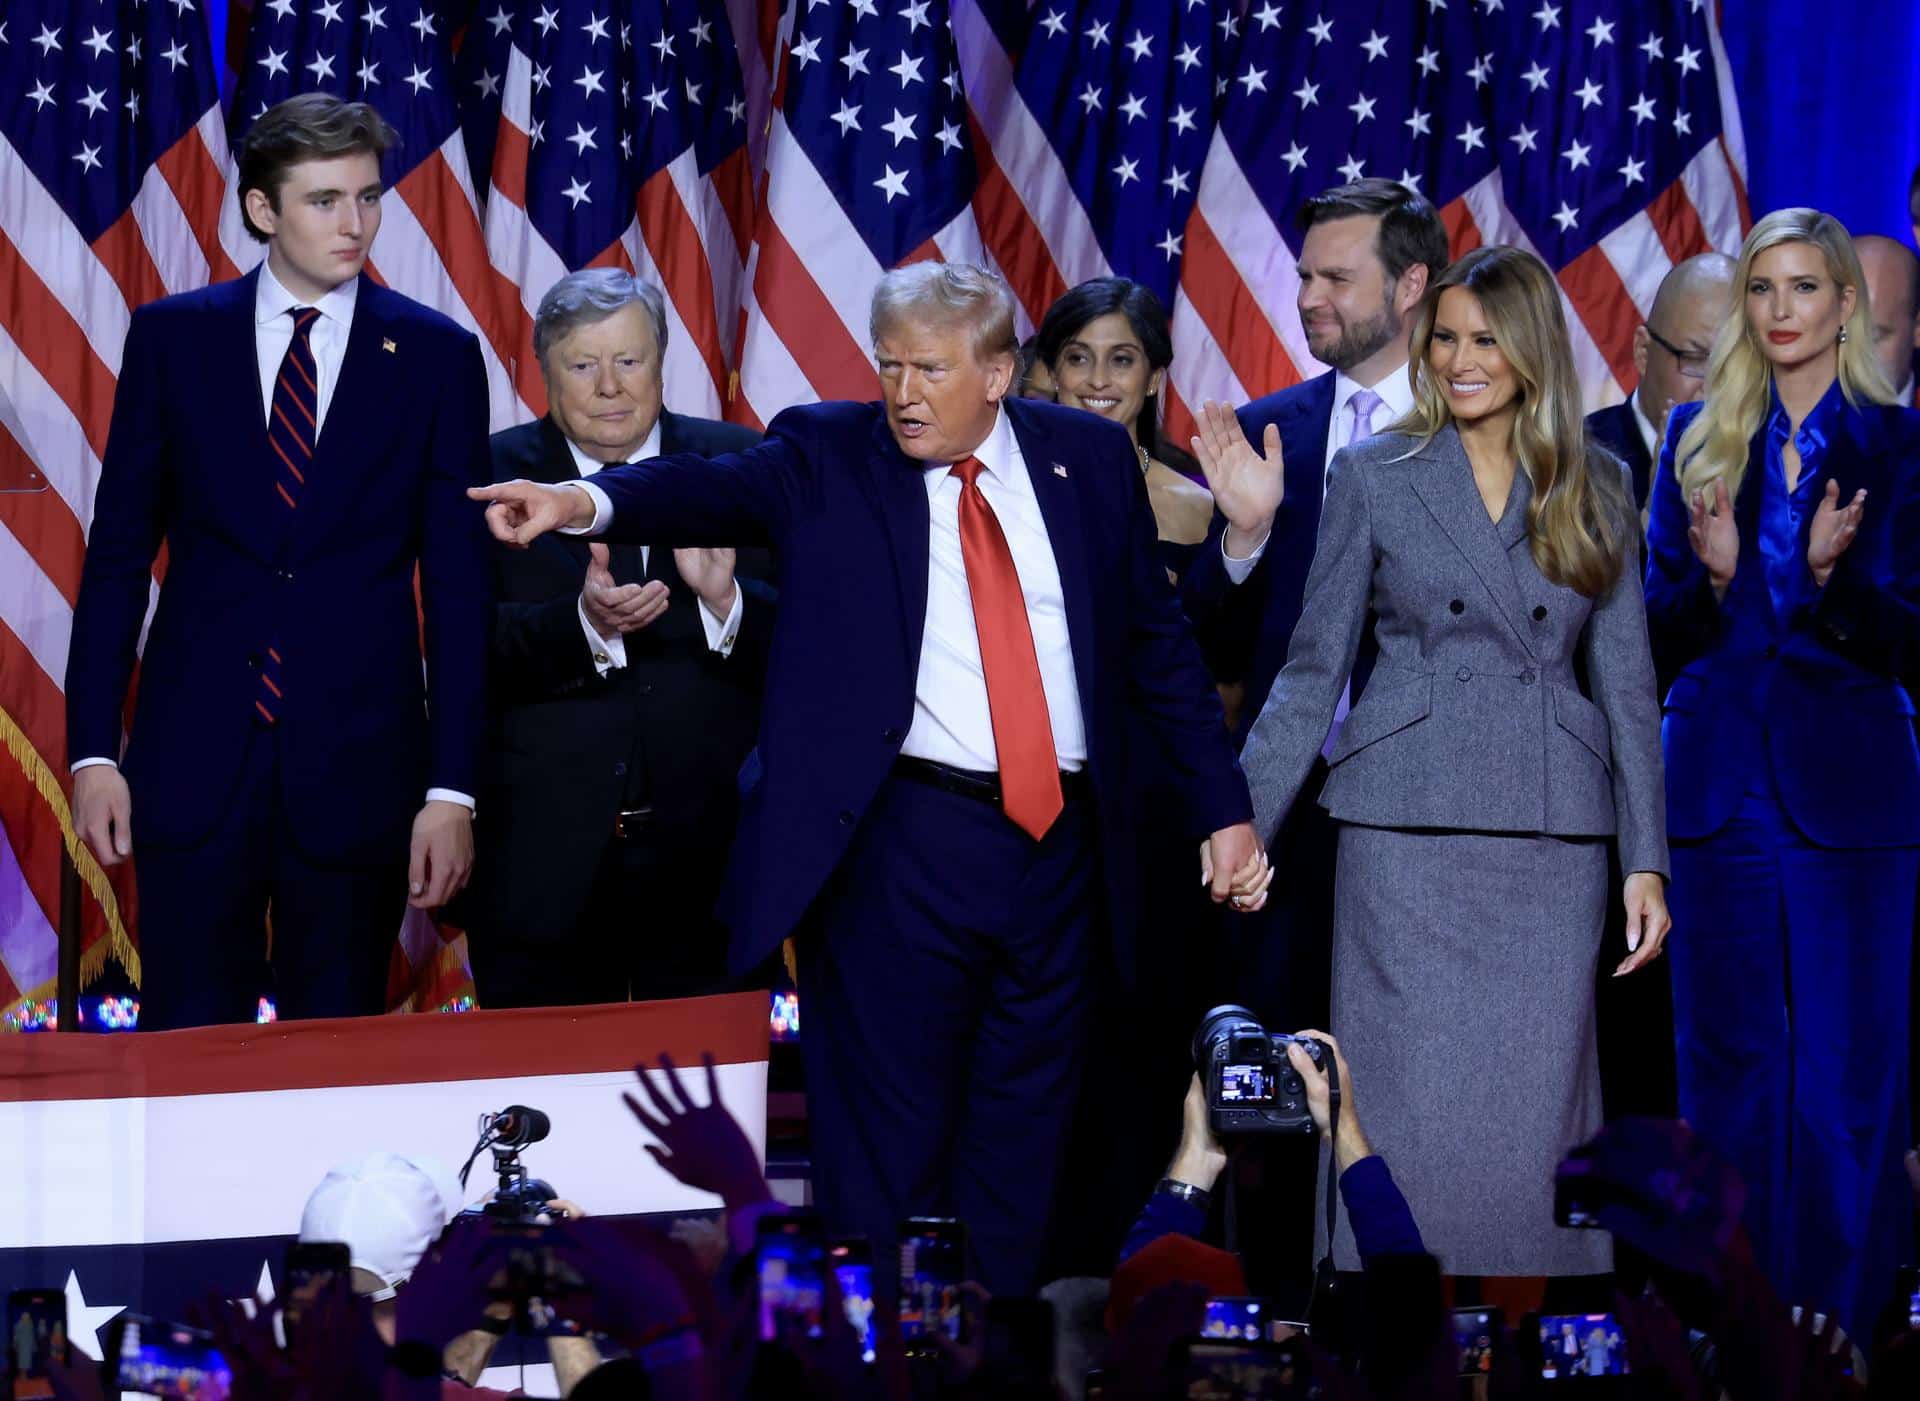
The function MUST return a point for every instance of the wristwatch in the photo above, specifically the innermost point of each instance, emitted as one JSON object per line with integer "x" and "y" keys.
{"x": 1186, "y": 1191}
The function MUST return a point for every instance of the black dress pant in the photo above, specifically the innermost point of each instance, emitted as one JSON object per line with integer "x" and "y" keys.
{"x": 647, "y": 931}
{"x": 246, "y": 913}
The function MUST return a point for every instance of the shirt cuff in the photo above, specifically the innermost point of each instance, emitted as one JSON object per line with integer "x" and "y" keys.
{"x": 450, "y": 795}
{"x": 1239, "y": 569}
{"x": 722, "y": 633}
{"x": 79, "y": 764}
{"x": 602, "y": 511}
{"x": 607, "y": 655}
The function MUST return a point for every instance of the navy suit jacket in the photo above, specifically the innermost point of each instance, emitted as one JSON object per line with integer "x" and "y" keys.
{"x": 1245, "y": 629}
{"x": 847, "y": 514}
{"x": 362, "y": 733}
{"x": 1617, "y": 428}
{"x": 1815, "y": 698}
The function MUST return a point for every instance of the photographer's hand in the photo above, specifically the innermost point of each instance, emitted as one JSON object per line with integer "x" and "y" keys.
{"x": 1350, "y": 1144}
{"x": 1199, "y": 1160}
{"x": 701, "y": 1145}
{"x": 451, "y": 1287}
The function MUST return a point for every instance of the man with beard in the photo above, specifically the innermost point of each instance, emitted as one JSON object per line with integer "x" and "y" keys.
{"x": 1369, "y": 251}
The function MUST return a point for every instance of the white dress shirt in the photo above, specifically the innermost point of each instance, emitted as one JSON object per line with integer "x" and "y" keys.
{"x": 611, "y": 652}
{"x": 951, "y": 721}
{"x": 1645, "y": 425}
{"x": 272, "y": 334}
{"x": 1396, "y": 398}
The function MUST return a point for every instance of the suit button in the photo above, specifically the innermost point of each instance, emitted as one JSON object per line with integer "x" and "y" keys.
{"x": 1456, "y": 607}
{"x": 1526, "y": 678}
{"x": 846, "y": 819}
{"x": 1771, "y": 652}
{"x": 286, "y": 574}
{"x": 619, "y": 770}
{"x": 1540, "y": 612}
{"x": 1464, "y": 674}
{"x": 253, "y": 664}
{"x": 646, "y": 688}
{"x": 891, "y": 735}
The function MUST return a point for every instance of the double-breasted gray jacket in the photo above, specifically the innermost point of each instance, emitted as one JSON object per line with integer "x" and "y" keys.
{"x": 1473, "y": 718}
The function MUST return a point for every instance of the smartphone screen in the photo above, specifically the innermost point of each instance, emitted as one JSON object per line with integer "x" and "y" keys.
{"x": 791, "y": 1265}
{"x": 933, "y": 1254}
{"x": 1477, "y": 1331}
{"x": 1581, "y": 1345}
{"x": 1220, "y": 1369}
{"x": 167, "y": 1359}
{"x": 36, "y": 1330}
{"x": 1241, "y": 1318}
{"x": 1907, "y": 1280}
{"x": 853, "y": 1272}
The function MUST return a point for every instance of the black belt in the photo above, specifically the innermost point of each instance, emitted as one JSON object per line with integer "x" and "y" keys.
{"x": 972, "y": 783}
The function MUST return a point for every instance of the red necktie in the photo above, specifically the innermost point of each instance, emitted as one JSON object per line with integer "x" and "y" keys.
{"x": 1022, "y": 732}
{"x": 293, "y": 427}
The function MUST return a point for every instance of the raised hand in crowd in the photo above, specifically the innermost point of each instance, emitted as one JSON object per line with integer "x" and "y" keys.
{"x": 1648, "y": 922}
{"x": 1714, "y": 535}
{"x": 1247, "y": 483}
{"x": 103, "y": 812}
{"x": 613, "y": 609}
{"x": 520, "y": 512}
{"x": 1832, "y": 530}
{"x": 700, "y": 1145}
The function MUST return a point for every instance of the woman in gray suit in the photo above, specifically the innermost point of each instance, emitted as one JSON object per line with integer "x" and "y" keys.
{"x": 1477, "y": 778}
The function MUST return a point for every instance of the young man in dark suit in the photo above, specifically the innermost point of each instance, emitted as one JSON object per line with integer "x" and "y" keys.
{"x": 626, "y": 692}
{"x": 301, "y": 439}
{"x": 972, "y": 615}
{"x": 1670, "y": 354}
{"x": 1369, "y": 251}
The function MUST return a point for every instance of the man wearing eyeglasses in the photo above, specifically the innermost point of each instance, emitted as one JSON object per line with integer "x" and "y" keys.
{"x": 1670, "y": 356}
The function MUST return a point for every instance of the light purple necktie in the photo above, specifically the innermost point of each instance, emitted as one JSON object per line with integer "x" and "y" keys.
{"x": 1365, "y": 404}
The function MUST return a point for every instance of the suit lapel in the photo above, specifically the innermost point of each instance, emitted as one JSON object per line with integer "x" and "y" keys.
{"x": 239, "y": 347}
{"x": 900, "y": 486}
{"x": 1303, "y": 440}
{"x": 1059, "y": 502}
{"x": 1446, "y": 485}
{"x": 368, "y": 373}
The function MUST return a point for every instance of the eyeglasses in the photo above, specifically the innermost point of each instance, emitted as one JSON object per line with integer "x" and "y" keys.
{"x": 1693, "y": 363}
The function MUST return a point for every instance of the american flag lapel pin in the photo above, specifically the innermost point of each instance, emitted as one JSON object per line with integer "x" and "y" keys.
{"x": 386, "y": 345}
{"x": 1058, "y": 470}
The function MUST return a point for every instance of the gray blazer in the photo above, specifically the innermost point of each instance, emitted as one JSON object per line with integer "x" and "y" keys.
{"x": 1472, "y": 719}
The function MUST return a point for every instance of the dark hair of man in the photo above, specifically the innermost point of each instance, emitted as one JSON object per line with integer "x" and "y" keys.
{"x": 315, "y": 126}
{"x": 1410, "y": 228}
{"x": 1145, "y": 313}
{"x": 1913, "y": 195}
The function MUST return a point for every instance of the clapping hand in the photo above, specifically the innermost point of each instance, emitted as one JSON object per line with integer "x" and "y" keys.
{"x": 709, "y": 573}
{"x": 1833, "y": 529}
{"x": 1247, "y": 484}
{"x": 1714, "y": 534}
{"x": 701, "y": 1145}
{"x": 618, "y": 609}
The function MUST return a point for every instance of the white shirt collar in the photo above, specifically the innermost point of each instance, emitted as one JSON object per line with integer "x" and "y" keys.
{"x": 649, "y": 447}
{"x": 999, "y": 453}
{"x": 1905, "y": 397}
{"x": 272, "y": 300}
{"x": 1648, "y": 434}
{"x": 1395, "y": 391}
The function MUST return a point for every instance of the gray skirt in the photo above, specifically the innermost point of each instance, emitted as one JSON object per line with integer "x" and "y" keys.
{"x": 1463, "y": 1000}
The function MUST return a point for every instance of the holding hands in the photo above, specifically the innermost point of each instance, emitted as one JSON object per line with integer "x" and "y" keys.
{"x": 1833, "y": 529}
{"x": 1247, "y": 484}
{"x": 1234, "y": 866}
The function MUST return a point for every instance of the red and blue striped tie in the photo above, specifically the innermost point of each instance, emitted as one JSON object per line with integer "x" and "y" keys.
{"x": 293, "y": 426}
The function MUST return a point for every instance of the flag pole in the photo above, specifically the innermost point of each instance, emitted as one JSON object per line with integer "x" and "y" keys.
{"x": 67, "y": 994}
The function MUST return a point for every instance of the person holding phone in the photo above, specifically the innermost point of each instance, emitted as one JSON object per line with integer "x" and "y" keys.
{"x": 1508, "y": 730}
{"x": 1783, "y": 598}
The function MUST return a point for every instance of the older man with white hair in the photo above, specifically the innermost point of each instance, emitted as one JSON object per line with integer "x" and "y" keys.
{"x": 972, "y": 620}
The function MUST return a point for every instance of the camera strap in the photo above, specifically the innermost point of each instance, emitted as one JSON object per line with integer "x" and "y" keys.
{"x": 1323, "y": 1275}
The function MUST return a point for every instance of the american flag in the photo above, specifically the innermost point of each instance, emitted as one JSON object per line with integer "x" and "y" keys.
{"x": 869, "y": 165}
{"x": 1600, "y": 133}
{"x": 395, "y": 54}
{"x": 112, "y": 167}
{"x": 623, "y": 142}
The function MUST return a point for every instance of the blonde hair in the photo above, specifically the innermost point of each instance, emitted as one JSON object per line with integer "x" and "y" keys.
{"x": 1575, "y": 522}
{"x": 948, "y": 293}
{"x": 1740, "y": 377}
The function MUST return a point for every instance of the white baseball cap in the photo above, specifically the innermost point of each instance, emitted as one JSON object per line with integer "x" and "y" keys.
{"x": 387, "y": 1208}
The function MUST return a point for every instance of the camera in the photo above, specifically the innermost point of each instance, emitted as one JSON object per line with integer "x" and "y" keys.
{"x": 1251, "y": 1085}
{"x": 519, "y": 1200}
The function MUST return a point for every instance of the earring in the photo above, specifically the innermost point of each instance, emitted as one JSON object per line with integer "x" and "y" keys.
{"x": 1843, "y": 335}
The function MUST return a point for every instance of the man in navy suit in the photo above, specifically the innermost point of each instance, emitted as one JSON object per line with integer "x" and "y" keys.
{"x": 1369, "y": 252}
{"x": 1893, "y": 299}
{"x": 1670, "y": 355}
{"x": 970, "y": 606}
{"x": 301, "y": 439}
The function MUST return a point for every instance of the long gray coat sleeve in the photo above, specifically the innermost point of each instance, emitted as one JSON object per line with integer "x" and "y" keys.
{"x": 1292, "y": 726}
